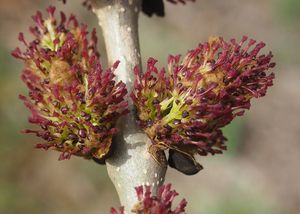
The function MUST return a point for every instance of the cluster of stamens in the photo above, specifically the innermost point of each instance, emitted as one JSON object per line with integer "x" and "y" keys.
{"x": 74, "y": 101}
{"x": 184, "y": 107}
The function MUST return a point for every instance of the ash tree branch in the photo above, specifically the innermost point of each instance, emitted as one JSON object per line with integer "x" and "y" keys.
{"x": 131, "y": 165}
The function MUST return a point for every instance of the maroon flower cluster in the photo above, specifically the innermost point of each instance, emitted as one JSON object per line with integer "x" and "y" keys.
{"x": 184, "y": 107}
{"x": 161, "y": 203}
{"x": 75, "y": 102}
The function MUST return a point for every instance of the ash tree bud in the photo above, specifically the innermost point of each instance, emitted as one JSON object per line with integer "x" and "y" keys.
{"x": 184, "y": 107}
{"x": 71, "y": 97}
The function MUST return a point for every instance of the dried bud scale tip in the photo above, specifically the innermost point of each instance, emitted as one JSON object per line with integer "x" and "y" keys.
{"x": 85, "y": 3}
{"x": 160, "y": 203}
{"x": 189, "y": 103}
{"x": 149, "y": 7}
{"x": 180, "y": 1}
{"x": 70, "y": 95}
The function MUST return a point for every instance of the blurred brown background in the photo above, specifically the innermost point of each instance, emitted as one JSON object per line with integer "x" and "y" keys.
{"x": 258, "y": 174}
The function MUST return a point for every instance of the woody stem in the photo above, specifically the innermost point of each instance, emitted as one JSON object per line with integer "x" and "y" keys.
{"x": 131, "y": 165}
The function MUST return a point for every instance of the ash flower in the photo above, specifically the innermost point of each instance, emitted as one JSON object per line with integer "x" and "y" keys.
{"x": 161, "y": 203}
{"x": 184, "y": 107}
{"x": 74, "y": 101}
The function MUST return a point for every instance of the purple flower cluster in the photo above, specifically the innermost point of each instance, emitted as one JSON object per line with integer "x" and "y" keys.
{"x": 74, "y": 101}
{"x": 184, "y": 107}
{"x": 161, "y": 203}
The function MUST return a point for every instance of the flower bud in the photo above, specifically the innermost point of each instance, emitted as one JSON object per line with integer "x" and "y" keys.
{"x": 70, "y": 95}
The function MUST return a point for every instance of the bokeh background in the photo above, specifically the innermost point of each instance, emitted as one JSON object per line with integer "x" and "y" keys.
{"x": 260, "y": 172}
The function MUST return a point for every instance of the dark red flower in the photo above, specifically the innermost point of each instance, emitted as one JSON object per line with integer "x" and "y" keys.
{"x": 185, "y": 106}
{"x": 160, "y": 203}
{"x": 75, "y": 102}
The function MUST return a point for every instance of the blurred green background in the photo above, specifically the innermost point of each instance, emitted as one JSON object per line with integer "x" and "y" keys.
{"x": 258, "y": 174}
